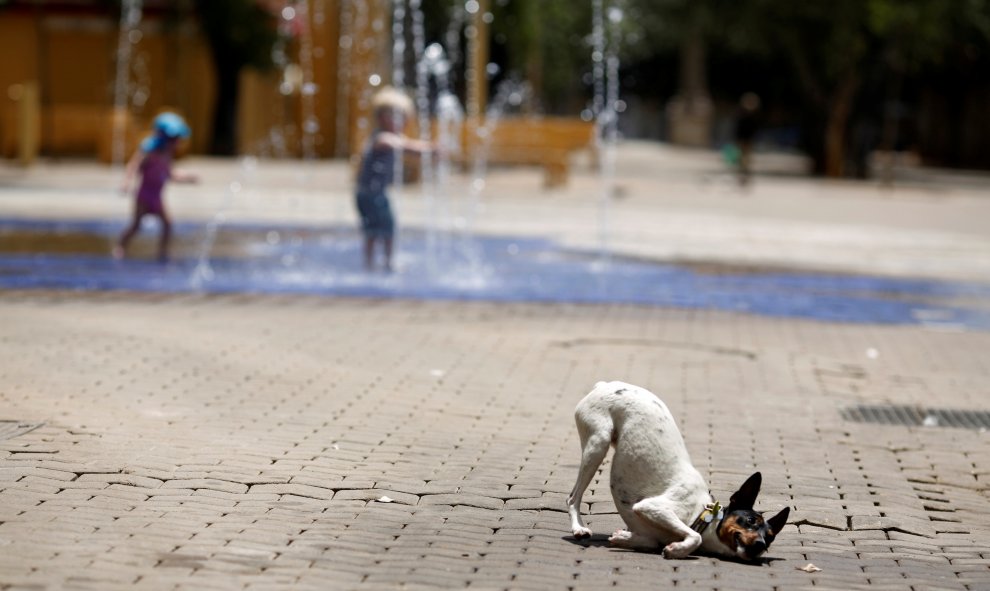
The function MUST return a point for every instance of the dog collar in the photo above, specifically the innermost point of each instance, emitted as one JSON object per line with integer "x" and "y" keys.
{"x": 712, "y": 512}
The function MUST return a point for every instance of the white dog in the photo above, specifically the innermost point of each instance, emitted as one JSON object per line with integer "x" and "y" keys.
{"x": 659, "y": 494}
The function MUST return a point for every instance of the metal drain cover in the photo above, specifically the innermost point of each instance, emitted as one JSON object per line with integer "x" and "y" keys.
{"x": 917, "y": 416}
{"x": 11, "y": 429}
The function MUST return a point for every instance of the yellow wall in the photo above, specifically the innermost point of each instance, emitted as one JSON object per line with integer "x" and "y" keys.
{"x": 19, "y": 47}
{"x": 264, "y": 110}
{"x": 76, "y": 79}
{"x": 194, "y": 87}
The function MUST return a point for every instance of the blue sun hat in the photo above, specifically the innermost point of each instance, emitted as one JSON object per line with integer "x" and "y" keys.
{"x": 167, "y": 125}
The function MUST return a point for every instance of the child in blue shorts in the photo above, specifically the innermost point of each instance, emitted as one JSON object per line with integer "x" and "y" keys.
{"x": 387, "y": 142}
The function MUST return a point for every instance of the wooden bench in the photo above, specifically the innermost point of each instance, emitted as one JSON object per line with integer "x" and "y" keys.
{"x": 74, "y": 130}
{"x": 548, "y": 142}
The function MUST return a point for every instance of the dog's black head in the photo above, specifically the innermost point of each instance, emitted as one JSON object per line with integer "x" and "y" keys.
{"x": 743, "y": 530}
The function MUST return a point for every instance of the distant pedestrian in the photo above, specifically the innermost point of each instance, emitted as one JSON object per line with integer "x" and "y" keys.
{"x": 153, "y": 161}
{"x": 747, "y": 124}
{"x": 391, "y": 109}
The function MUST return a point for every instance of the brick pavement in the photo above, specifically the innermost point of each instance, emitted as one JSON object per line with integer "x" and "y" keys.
{"x": 246, "y": 442}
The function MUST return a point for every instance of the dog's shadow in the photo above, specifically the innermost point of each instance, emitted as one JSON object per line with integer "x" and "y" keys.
{"x": 601, "y": 541}
{"x": 595, "y": 541}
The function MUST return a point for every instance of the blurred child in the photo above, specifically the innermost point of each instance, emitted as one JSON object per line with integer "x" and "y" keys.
{"x": 154, "y": 161}
{"x": 387, "y": 142}
{"x": 747, "y": 125}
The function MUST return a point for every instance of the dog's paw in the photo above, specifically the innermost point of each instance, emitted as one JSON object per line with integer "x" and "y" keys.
{"x": 581, "y": 532}
{"x": 676, "y": 550}
{"x": 621, "y": 537}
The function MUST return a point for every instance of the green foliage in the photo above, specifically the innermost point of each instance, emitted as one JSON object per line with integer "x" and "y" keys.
{"x": 546, "y": 43}
{"x": 841, "y": 56}
{"x": 829, "y": 37}
{"x": 919, "y": 32}
{"x": 542, "y": 41}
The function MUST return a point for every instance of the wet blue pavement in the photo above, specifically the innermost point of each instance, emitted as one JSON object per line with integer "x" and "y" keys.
{"x": 243, "y": 258}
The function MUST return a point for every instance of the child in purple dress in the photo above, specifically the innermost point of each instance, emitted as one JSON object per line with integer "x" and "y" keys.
{"x": 154, "y": 161}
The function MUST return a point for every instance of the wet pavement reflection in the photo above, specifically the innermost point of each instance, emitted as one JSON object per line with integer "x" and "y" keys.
{"x": 326, "y": 261}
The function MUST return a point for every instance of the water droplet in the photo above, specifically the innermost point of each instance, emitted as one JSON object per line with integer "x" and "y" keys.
{"x": 471, "y": 6}
{"x": 288, "y": 13}
{"x": 140, "y": 97}
{"x": 374, "y": 80}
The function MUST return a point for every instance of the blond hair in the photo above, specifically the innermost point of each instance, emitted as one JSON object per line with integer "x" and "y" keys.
{"x": 390, "y": 98}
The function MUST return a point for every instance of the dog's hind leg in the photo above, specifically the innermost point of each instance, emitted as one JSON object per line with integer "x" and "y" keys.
{"x": 633, "y": 541}
{"x": 594, "y": 445}
{"x": 658, "y": 513}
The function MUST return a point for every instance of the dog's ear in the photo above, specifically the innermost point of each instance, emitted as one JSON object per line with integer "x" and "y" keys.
{"x": 778, "y": 521}
{"x": 745, "y": 497}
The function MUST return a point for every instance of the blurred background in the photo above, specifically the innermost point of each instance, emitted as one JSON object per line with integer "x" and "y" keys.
{"x": 852, "y": 84}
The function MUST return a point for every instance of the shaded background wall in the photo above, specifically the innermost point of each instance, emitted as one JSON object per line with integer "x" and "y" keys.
{"x": 839, "y": 81}
{"x": 68, "y": 49}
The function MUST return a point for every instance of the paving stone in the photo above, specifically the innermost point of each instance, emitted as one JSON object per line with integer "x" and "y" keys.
{"x": 244, "y": 487}
{"x": 207, "y": 483}
{"x": 467, "y": 500}
{"x": 298, "y": 490}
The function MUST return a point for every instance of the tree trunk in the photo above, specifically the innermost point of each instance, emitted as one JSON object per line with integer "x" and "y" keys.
{"x": 224, "y": 140}
{"x": 835, "y": 127}
{"x": 690, "y": 110}
{"x": 693, "y": 78}
{"x": 891, "y": 121}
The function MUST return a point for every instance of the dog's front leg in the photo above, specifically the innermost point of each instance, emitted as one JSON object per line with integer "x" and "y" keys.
{"x": 658, "y": 513}
{"x": 594, "y": 446}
